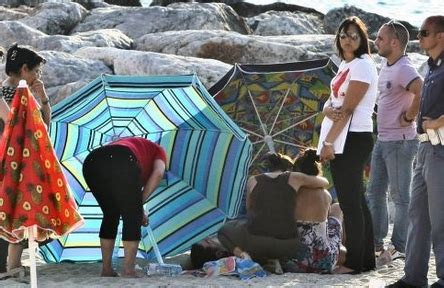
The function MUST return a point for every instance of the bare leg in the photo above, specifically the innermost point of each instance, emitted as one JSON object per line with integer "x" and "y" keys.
{"x": 130, "y": 249}
{"x": 336, "y": 212}
{"x": 107, "y": 247}
{"x": 14, "y": 255}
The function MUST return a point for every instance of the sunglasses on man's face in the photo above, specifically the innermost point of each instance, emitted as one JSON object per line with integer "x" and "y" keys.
{"x": 353, "y": 36}
{"x": 424, "y": 33}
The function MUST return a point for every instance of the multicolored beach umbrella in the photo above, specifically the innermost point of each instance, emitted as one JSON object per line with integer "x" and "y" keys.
{"x": 209, "y": 157}
{"x": 277, "y": 105}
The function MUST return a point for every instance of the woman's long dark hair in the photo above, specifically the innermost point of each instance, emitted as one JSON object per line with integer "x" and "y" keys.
{"x": 278, "y": 162}
{"x": 308, "y": 163}
{"x": 363, "y": 48}
{"x": 19, "y": 56}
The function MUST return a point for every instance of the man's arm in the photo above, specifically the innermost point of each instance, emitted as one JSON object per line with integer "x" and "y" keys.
{"x": 415, "y": 87}
{"x": 429, "y": 123}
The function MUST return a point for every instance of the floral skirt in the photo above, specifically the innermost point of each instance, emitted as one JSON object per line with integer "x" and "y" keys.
{"x": 322, "y": 242}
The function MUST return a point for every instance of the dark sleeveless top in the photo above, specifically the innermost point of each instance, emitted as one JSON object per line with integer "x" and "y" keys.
{"x": 272, "y": 207}
{"x": 8, "y": 93}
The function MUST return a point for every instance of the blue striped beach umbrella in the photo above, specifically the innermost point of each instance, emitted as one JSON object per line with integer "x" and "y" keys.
{"x": 208, "y": 156}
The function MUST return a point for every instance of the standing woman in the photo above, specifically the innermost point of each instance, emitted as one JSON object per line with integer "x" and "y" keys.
{"x": 349, "y": 110}
{"x": 21, "y": 63}
{"x": 122, "y": 175}
{"x": 25, "y": 64}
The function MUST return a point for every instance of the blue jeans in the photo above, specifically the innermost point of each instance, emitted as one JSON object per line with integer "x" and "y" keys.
{"x": 391, "y": 169}
{"x": 426, "y": 219}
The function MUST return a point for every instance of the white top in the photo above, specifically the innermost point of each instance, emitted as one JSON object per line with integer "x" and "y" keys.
{"x": 359, "y": 69}
{"x": 363, "y": 70}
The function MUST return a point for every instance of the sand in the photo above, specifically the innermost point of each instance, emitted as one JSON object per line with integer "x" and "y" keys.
{"x": 67, "y": 275}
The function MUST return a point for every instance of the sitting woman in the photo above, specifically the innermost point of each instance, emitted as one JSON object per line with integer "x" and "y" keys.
{"x": 270, "y": 232}
{"x": 318, "y": 222}
{"x": 271, "y": 198}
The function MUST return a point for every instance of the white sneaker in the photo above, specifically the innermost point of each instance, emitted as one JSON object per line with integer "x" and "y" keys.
{"x": 395, "y": 254}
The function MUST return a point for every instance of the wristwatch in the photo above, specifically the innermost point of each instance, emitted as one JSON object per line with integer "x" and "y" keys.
{"x": 404, "y": 117}
{"x": 326, "y": 143}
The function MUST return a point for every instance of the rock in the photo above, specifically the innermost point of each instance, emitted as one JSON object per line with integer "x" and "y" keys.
{"x": 16, "y": 3}
{"x": 17, "y": 32}
{"x": 56, "y": 18}
{"x": 286, "y": 23}
{"x": 99, "y": 38}
{"x": 11, "y": 14}
{"x": 126, "y": 62}
{"x": 124, "y": 2}
{"x": 231, "y": 47}
{"x": 136, "y": 22}
{"x": 245, "y": 9}
{"x": 373, "y": 21}
{"x": 64, "y": 91}
{"x": 62, "y": 68}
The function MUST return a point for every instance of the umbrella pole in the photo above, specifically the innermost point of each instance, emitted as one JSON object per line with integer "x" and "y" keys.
{"x": 32, "y": 245}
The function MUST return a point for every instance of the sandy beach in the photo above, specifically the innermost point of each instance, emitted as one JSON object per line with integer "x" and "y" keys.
{"x": 86, "y": 274}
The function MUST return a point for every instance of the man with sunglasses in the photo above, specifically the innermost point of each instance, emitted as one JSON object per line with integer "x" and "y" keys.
{"x": 399, "y": 86}
{"x": 426, "y": 221}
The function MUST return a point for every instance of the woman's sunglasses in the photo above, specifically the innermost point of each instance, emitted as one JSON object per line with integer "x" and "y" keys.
{"x": 353, "y": 36}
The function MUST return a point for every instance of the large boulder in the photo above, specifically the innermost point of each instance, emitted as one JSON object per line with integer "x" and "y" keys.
{"x": 56, "y": 18}
{"x": 11, "y": 14}
{"x": 62, "y": 68}
{"x": 373, "y": 21}
{"x": 231, "y": 47}
{"x": 17, "y": 32}
{"x": 148, "y": 63}
{"x": 136, "y": 22}
{"x": 286, "y": 23}
{"x": 124, "y": 2}
{"x": 99, "y": 38}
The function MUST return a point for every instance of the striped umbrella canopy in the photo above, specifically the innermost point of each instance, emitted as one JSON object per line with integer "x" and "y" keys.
{"x": 208, "y": 156}
{"x": 277, "y": 105}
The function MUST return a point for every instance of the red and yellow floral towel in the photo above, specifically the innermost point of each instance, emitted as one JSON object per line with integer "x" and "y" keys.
{"x": 33, "y": 190}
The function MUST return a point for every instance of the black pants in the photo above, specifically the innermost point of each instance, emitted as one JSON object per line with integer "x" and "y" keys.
{"x": 261, "y": 248}
{"x": 3, "y": 255}
{"x": 113, "y": 176}
{"x": 347, "y": 171}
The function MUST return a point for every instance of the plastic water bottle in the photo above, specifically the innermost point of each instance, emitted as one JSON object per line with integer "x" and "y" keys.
{"x": 164, "y": 269}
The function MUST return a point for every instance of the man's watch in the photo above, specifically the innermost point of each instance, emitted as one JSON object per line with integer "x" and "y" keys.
{"x": 404, "y": 117}
{"x": 326, "y": 143}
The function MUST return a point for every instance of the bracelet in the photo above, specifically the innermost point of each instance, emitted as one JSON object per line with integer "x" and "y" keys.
{"x": 326, "y": 143}
{"x": 404, "y": 117}
{"x": 45, "y": 102}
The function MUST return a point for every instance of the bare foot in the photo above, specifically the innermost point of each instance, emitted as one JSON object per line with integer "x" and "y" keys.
{"x": 133, "y": 274}
{"x": 111, "y": 273}
{"x": 344, "y": 270}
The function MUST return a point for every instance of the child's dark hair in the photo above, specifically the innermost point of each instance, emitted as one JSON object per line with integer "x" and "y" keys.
{"x": 200, "y": 254}
{"x": 17, "y": 56}
{"x": 307, "y": 162}
{"x": 278, "y": 162}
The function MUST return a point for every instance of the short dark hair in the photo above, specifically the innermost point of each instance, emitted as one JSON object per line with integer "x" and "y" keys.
{"x": 200, "y": 254}
{"x": 363, "y": 48}
{"x": 437, "y": 22}
{"x": 308, "y": 163}
{"x": 399, "y": 31}
{"x": 17, "y": 56}
{"x": 278, "y": 161}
